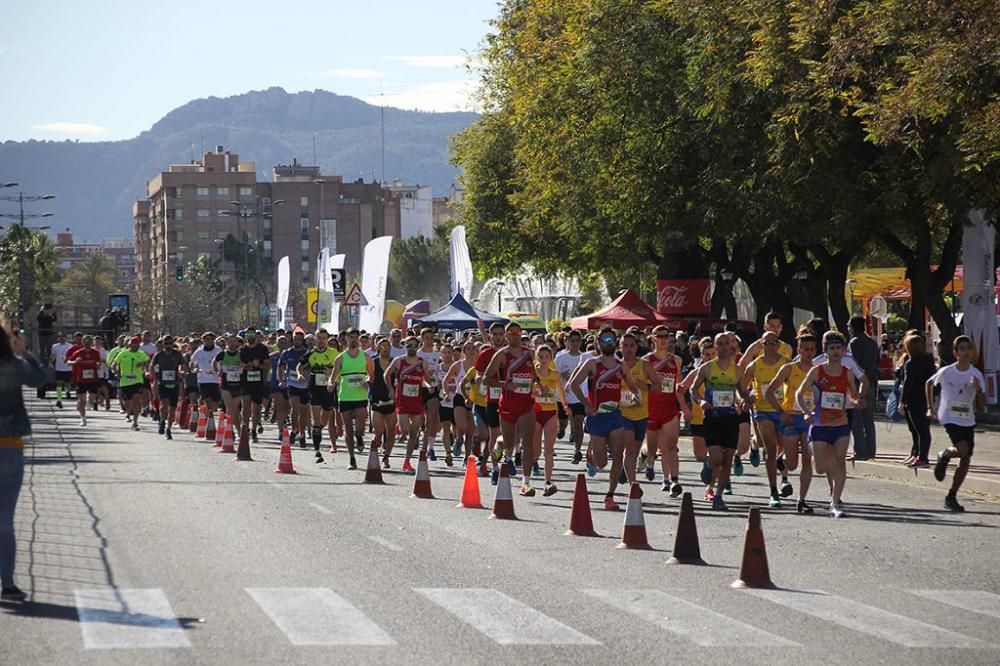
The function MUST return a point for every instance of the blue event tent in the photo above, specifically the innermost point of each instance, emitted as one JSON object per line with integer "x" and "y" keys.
{"x": 458, "y": 314}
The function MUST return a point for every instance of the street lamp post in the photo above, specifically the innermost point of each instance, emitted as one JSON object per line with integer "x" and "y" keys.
{"x": 21, "y": 216}
{"x": 256, "y": 211}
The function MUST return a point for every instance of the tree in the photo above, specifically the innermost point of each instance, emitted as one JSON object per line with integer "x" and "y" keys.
{"x": 87, "y": 283}
{"x": 30, "y": 251}
{"x": 202, "y": 304}
{"x": 421, "y": 268}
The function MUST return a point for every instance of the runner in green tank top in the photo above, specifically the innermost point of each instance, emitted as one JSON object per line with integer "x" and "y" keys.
{"x": 351, "y": 374}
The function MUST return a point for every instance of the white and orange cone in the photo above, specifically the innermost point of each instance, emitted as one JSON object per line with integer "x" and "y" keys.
{"x": 503, "y": 503}
{"x": 422, "y": 483}
{"x": 634, "y": 531}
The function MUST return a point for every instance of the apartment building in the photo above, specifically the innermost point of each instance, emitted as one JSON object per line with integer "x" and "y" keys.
{"x": 190, "y": 209}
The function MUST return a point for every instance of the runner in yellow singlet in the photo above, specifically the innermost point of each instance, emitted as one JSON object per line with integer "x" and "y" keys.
{"x": 760, "y": 375}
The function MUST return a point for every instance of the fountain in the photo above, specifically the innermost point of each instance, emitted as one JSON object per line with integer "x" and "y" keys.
{"x": 551, "y": 297}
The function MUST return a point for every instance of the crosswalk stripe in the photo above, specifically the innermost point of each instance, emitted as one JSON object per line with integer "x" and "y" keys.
{"x": 868, "y": 619}
{"x": 318, "y": 616}
{"x": 976, "y": 601}
{"x": 699, "y": 625}
{"x": 117, "y": 618}
{"x": 505, "y": 620}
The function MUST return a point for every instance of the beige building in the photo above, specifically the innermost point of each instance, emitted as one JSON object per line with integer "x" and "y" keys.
{"x": 191, "y": 209}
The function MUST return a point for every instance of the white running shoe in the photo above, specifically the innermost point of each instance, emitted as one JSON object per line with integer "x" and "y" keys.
{"x": 836, "y": 511}
{"x": 83, "y": 421}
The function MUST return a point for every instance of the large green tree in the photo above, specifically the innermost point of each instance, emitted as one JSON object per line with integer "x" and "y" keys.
{"x": 28, "y": 265}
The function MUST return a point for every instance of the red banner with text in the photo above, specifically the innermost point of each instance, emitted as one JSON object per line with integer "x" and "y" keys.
{"x": 690, "y": 298}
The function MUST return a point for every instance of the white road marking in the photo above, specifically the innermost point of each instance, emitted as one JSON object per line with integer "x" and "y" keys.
{"x": 976, "y": 601}
{"x": 321, "y": 508}
{"x": 318, "y": 616}
{"x": 114, "y": 619}
{"x": 695, "y": 623}
{"x": 869, "y": 620}
{"x": 386, "y": 543}
{"x": 503, "y": 619}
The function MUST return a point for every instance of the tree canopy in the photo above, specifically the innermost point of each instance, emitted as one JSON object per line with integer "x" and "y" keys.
{"x": 780, "y": 139}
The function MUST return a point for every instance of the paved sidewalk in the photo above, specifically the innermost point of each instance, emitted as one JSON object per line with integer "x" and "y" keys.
{"x": 894, "y": 445}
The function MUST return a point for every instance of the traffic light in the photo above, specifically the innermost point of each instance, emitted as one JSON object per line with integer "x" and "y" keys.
{"x": 180, "y": 273}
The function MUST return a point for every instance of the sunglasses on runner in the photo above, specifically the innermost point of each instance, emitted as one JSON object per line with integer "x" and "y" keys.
{"x": 773, "y": 343}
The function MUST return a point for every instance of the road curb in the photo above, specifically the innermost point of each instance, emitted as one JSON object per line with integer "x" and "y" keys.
{"x": 921, "y": 477}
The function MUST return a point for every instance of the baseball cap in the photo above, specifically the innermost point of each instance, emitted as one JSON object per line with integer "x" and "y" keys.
{"x": 135, "y": 340}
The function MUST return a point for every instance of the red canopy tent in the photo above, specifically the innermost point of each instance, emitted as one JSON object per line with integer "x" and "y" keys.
{"x": 626, "y": 310}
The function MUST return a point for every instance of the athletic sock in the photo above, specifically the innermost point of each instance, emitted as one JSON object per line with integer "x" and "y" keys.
{"x": 317, "y": 436}
{"x": 59, "y": 393}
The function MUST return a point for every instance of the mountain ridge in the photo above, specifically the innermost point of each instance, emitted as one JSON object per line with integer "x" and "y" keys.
{"x": 95, "y": 183}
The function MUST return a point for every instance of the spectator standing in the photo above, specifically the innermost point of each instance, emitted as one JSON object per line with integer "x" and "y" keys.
{"x": 866, "y": 354}
{"x": 918, "y": 368}
{"x": 46, "y": 320}
{"x": 17, "y": 368}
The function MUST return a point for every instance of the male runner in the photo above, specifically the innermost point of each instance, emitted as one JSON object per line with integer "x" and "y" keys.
{"x": 567, "y": 361}
{"x": 961, "y": 394}
{"x": 635, "y": 411}
{"x": 759, "y": 374}
{"x": 255, "y": 358}
{"x": 64, "y": 373}
{"x": 130, "y": 364}
{"x": 203, "y": 362}
{"x": 780, "y": 394}
{"x": 665, "y": 407}
{"x": 298, "y": 386}
{"x": 431, "y": 396}
{"x": 351, "y": 376}
{"x": 167, "y": 366}
{"x": 716, "y": 387}
{"x": 408, "y": 374}
{"x": 316, "y": 366}
{"x": 487, "y": 409}
{"x": 85, "y": 363}
{"x": 829, "y": 428}
{"x": 603, "y": 408}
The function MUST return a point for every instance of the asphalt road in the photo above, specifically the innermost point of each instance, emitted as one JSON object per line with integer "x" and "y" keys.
{"x": 135, "y": 548}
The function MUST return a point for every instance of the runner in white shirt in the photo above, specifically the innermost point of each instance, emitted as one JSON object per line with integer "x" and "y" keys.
{"x": 148, "y": 345}
{"x": 203, "y": 361}
{"x": 431, "y": 396}
{"x": 396, "y": 348}
{"x": 63, "y": 369}
{"x": 961, "y": 394}
{"x": 567, "y": 361}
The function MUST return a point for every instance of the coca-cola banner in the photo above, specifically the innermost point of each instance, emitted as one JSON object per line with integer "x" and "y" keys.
{"x": 684, "y": 298}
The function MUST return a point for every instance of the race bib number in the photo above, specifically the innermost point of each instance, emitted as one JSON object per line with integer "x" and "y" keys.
{"x": 667, "y": 384}
{"x": 629, "y": 399}
{"x": 355, "y": 381}
{"x": 961, "y": 410}
{"x": 319, "y": 378}
{"x": 87, "y": 374}
{"x": 607, "y": 407}
{"x": 253, "y": 375}
{"x": 131, "y": 377}
{"x": 432, "y": 380}
{"x": 232, "y": 376}
{"x": 411, "y": 390}
{"x": 520, "y": 385}
{"x": 448, "y": 400}
{"x": 495, "y": 392}
{"x": 779, "y": 392}
{"x": 809, "y": 402}
{"x": 168, "y": 375}
{"x": 832, "y": 400}
{"x": 723, "y": 398}
{"x": 547, "y": 397}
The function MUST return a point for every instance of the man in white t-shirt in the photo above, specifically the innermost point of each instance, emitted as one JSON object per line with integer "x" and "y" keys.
{"x": 961, "y": 394}
{"x": 203, "y": 361}
{"x": 63, "y": 370}
{"x": 396, "y": 348}
{"x": 567, "y": 361}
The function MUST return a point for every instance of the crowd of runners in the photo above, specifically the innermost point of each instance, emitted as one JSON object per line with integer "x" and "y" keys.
{"x": 504, "y": 397}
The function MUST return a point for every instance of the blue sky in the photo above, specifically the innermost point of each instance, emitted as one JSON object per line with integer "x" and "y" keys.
{"x": 104, "y": 70}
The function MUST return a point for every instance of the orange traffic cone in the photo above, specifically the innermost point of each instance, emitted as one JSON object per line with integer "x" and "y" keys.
{"x": 503, "y": 503}
{"x": 580, "y": 521}
{"x": 243, "y": 450}
{"x": 374, "y": 472}
{"x": 220, "y": 430}
{"x": 634, "y": 531}
{"x": 285, "y": 458}
{"x": 227, "y": 437}
{"x": 211, "y": 432}
{"x": 202, "y": 427}
{"x": 184, "y": 421}
{"x": 470, "y": 490}
{"x": 178, "y": 411}
{"x": 422, "y": 483}
{"x": 686, "y": 548}
{"x": 753, "y": 569}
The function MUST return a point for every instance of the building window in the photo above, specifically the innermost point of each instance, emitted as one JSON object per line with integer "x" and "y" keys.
{"x": 304, "y": 202}
{"x": 204, "y": 213}
{"x": 304, "y": 228}
{"x": 222, "y": 191}
{"x": 203, "y": 235}
{"x": 267, "y": 224}
{"x": 305, "y": 271}
{"x": 246, "y": 191}
{"x": 266, "y": 201}
{"x": 202, "y": 192}
{"x": 267, "y": 248}
{"x": 305, "y": 248}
